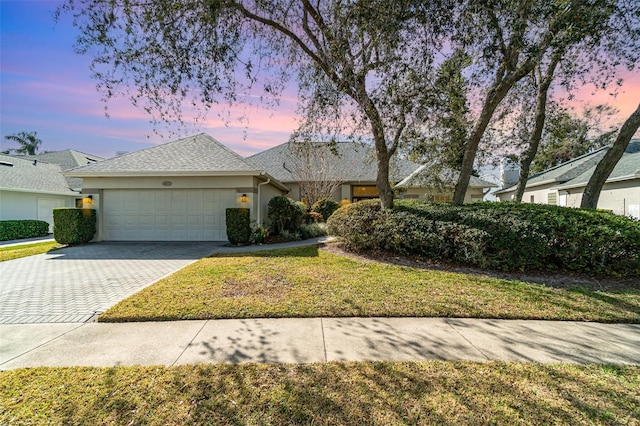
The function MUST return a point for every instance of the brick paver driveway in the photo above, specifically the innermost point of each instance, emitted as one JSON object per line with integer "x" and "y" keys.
{"x": 72, "y": 284}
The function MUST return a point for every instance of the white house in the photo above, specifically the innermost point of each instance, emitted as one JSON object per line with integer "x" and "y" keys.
{"x": 564, "y": 184}
{"x": 31, "y": 189}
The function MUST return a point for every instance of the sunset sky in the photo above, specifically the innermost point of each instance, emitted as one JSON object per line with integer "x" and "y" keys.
{"x": 47, "y": 88}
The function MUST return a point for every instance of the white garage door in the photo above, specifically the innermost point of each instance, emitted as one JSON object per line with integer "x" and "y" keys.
{"x": 166, "y": 215}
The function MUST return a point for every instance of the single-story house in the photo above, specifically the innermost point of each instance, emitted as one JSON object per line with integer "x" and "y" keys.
{"x": 178, "y": 191}
{"x": 353, "y": 166}
{"x": 564, "y": 184}
{"x": 31, "y": 189}
{"x": 67, "y": 159}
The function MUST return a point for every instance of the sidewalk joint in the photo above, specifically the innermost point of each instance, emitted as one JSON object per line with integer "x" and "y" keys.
{"x": 190, "y": 342}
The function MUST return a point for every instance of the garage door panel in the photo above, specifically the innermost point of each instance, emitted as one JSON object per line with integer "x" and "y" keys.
{"x": 166, "y": 215}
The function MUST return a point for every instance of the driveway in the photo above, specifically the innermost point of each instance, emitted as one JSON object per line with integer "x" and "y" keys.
{"x": 74, "y": 283}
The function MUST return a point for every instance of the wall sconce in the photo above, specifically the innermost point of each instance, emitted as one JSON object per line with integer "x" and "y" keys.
{"x": 243, "y": 198}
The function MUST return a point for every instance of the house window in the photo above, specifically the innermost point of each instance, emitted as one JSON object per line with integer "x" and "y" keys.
{"x": 552, "y": 198}
{"x": 440, "y": 198}
{"x": 532, "y": 199}
{"x": 364, "y": 192}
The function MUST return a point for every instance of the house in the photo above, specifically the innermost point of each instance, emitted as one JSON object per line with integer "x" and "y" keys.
{"x": 178, "y": 191}
{"x": 353, "y": 166}
{"x": 564, "y": 184}
{"x": 438, "y": 184}
{"x": 31, "y": 189}
{"x": 67, "y": 159}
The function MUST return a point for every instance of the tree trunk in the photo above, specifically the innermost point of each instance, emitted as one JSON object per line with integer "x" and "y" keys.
{"x": 608, "y": 163}
{"x": 536, "y": 135}
{"x": 497, "y": 92}
{"x": 382, "y": 180}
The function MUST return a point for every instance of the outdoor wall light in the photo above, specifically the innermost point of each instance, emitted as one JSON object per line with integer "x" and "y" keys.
{"x": 243, "y": 198}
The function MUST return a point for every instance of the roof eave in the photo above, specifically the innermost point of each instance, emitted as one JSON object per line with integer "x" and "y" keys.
{"x": 160, "y": 173}
{"x": 38, "y": 191}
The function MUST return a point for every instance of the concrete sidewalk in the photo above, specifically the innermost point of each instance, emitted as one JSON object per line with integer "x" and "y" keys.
{"x": 316, "y": 340}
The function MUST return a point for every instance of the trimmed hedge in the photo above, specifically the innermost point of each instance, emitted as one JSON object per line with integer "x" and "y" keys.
{"x": 19, "y": 229}
{"x": 326, "y": 207}
{"x": 73, "y": 226}
{"x": 238, "y": 225}
{"x": 504, "y": 236}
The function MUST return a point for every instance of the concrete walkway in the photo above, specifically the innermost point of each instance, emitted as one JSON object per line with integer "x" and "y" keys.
{"x": 316, "y": 340}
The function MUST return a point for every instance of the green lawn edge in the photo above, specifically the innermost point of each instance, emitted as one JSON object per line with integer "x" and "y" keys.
{"x": 308, "y": 282}
{"x": 25, "y": 250}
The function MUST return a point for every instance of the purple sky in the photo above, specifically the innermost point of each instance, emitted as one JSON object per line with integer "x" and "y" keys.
{"x": 45, "y": 87}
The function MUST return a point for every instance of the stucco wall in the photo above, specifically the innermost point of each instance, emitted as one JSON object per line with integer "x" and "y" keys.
{"x": 621, "y": 198}
{"x": 24, "y": 205}
{"x": 159, "y": 182}
{"x": 540, "y": 194}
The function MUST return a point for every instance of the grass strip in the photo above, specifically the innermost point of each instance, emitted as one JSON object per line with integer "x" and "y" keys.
{"x": 24, "y": 250}
{"x": 384, "y": 393}
{"x": 307, "y": 282}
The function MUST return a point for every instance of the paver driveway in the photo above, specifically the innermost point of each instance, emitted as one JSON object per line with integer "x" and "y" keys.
{"x": 72, "y": 284}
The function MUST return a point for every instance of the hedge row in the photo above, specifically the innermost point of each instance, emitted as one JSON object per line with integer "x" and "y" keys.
{"x": 19, "y": 229}
{"x": 505, "y": 236}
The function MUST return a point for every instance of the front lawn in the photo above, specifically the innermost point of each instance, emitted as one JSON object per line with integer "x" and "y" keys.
{"x": 307, "y": 282}
{"x": 24, "y": 250}
{"x": 384, "y": 393}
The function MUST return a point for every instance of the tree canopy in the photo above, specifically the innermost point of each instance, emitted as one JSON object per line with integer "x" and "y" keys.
{"x": 28, "y": 141}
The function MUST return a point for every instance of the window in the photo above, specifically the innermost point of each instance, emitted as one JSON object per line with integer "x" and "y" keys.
{"x": 532, "y": 199}
{"x": 552, "y": 198}
{"x": 364, "y": 192}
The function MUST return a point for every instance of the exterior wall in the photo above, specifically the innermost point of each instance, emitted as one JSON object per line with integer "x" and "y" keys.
{"x": 267, "y": 192}
{"x": 16, "y": 205}
{"x": 540, "y": 194}
{"x": 622, "y": 198}
{"x": 242, "y": 184}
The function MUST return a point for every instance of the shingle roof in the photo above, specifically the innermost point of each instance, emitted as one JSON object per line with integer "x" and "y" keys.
{"x": 199, "y": 154}
{"x": 563, "y": 172}
{"x": 349, "y": 162}
{"x": 67, "y": 159}
{"x": 20, "y": 174}
{"x": 424, "y": 175}
{"x": 627, "y": 167}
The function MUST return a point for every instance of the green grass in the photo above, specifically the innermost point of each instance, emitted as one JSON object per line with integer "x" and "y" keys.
{"x": 306, "y": 282}
{"x": 24, "y": 250}
{"x": 384, "y": 393}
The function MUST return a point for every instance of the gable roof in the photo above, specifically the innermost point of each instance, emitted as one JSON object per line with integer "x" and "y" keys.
{"x": 194, "y": 155}
{"x": 563, "y": 172}
{"x": 67, "y": 159}
{"x": 424, "y": 175}
{"x": 627, "y": 168}
{"x": 346, "y": 161}
{"x": 22, "y": 175}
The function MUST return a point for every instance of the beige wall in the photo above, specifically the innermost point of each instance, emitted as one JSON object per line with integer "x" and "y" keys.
{"x": 540, "y": 194}
{"x": 622, "y": 198}
{"x": 216, "y": 182}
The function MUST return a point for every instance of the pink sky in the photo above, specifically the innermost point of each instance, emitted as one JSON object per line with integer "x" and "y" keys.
{"x": 45, "y": 87}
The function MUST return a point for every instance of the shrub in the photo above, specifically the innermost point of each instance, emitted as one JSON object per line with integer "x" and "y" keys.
{"x": 238, "y": 225}
{"x": 290, "y": 236}
{"x": 312, "y": 230}
{"x": 326, "y": 207}
{"x": 18, "y": 229}
{"x": 258, "y": 234}
{"x": 285, "y": 214}
{"x": 506, "y": 236}
{"x": 73, "y": 226}
{"x": 311, "y": 217}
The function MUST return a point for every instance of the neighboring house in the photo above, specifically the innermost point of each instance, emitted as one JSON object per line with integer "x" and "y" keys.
{"x": 354, "y": 166}
{"x": 438, "y": 184}
{"x": 31, "y": 189}
{"x": 564, "y": 184}
{"x": 67, "y": 159}
{"x": 178, "y": 191}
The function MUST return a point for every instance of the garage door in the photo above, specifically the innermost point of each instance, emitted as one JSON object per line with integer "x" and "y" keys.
{"x": 166, "y": 215}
